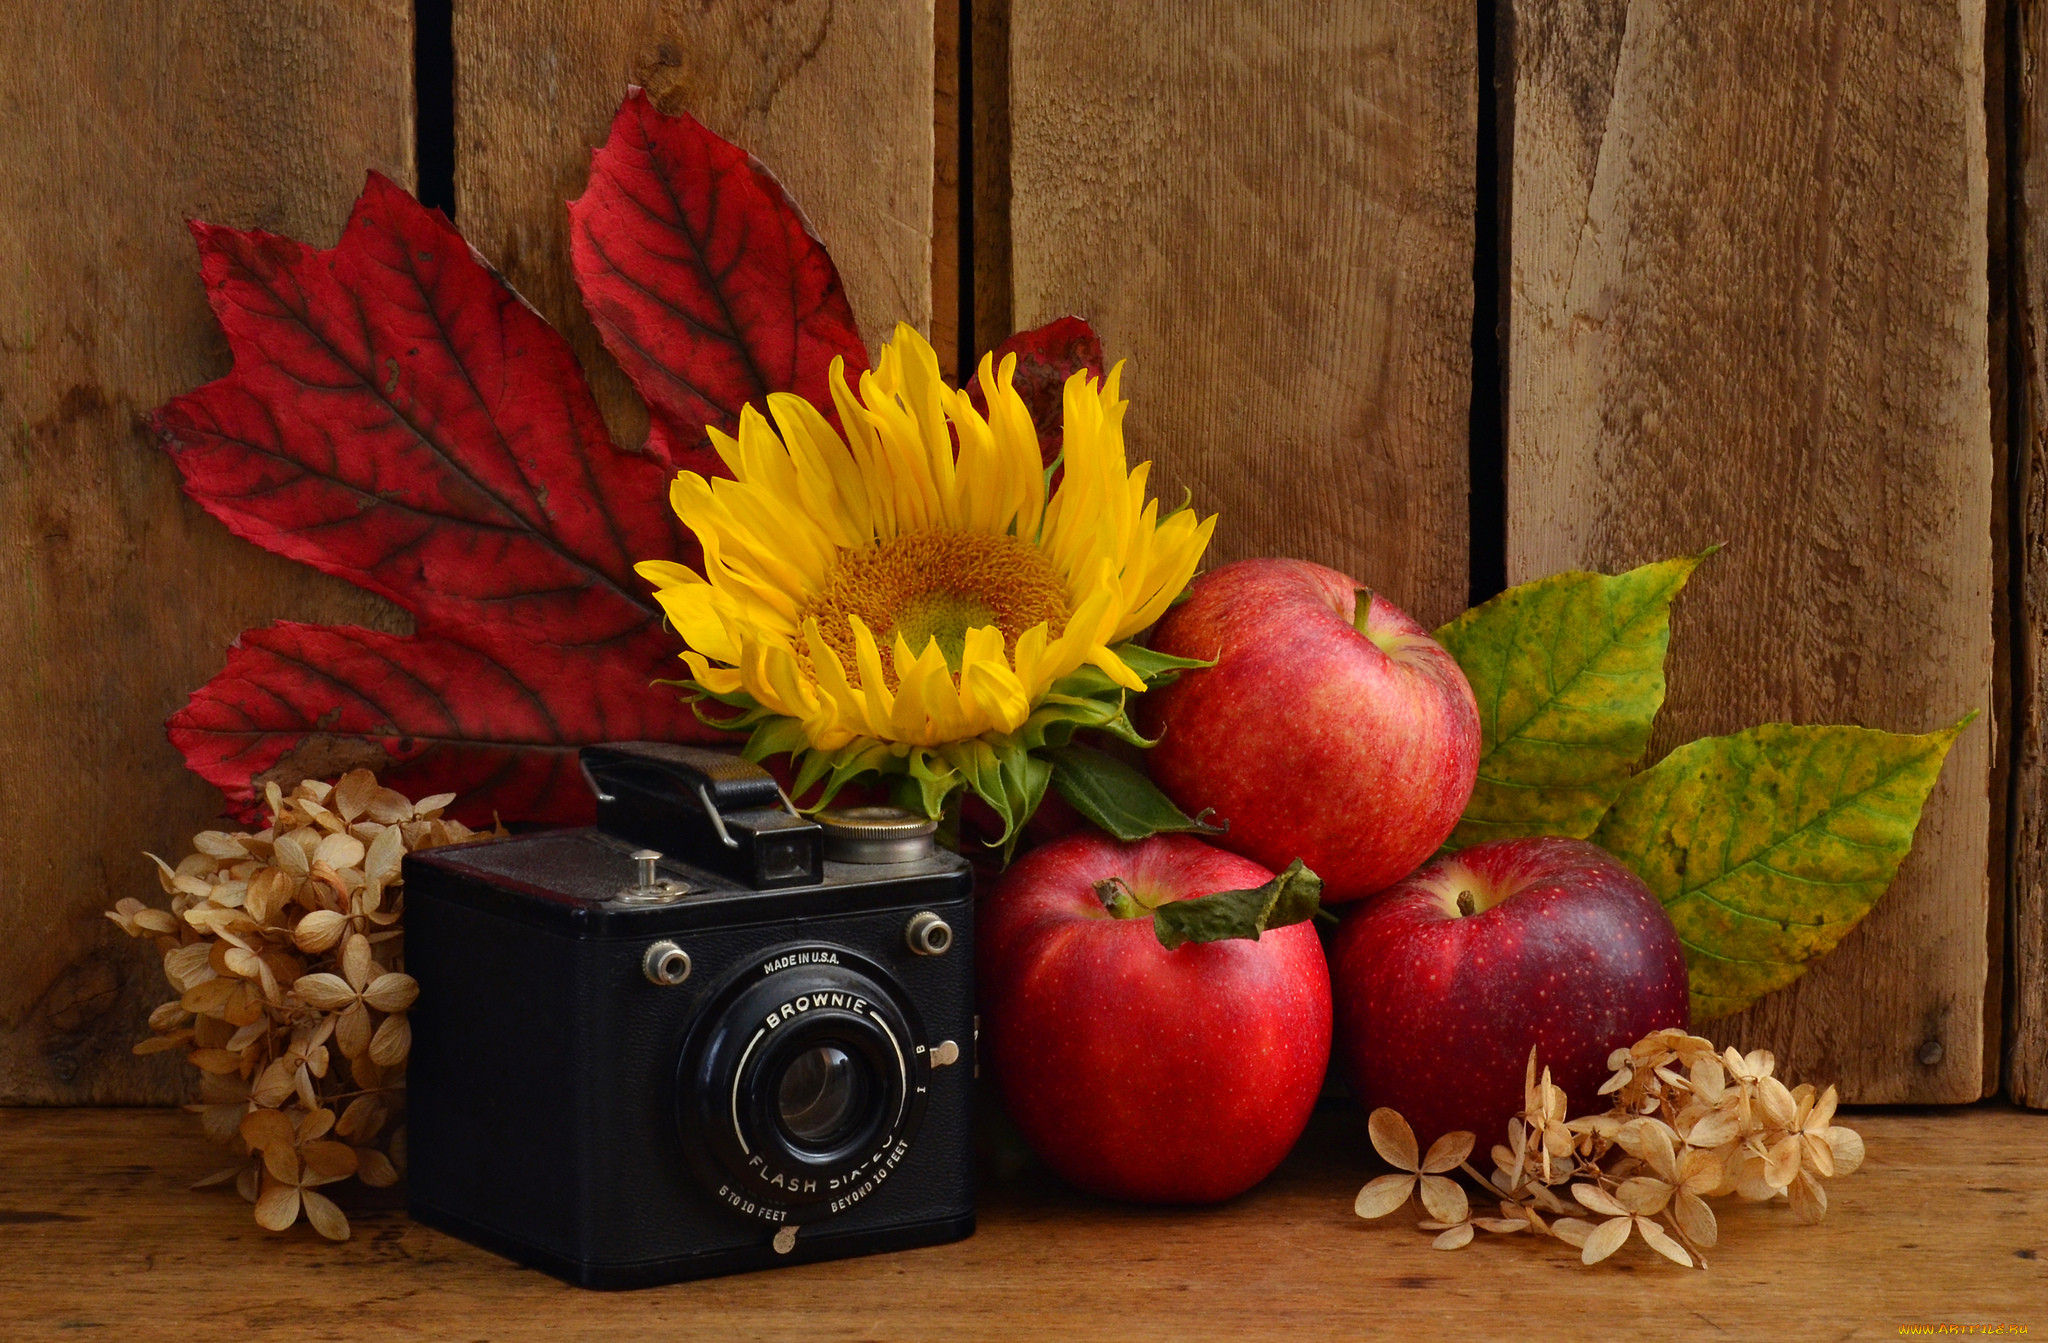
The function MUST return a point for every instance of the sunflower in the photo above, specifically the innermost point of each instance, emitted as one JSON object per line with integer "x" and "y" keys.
{"x": 909, "y": 598}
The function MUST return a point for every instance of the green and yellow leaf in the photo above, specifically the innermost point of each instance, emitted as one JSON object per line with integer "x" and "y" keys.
{"x": 1568, "y": 672}
{"x": 1769, "y": 845}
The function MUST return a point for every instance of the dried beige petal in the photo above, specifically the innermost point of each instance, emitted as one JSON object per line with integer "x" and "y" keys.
{"x": 216, "y": 1061}
{"x": 278, "y": 1206}
{"x": 1722, "y": 1126}
{"x": 219, "y": 1177}
{"x": 281, "y": 1160}
{"x": 326, "y": 1218}
{"x": 294, "y": 852}
{"x": 1809, "y": 1199}
{"x": 1643, "y": 1196}
{"x": 352, "y": 1031}
{"x": 1392, "y": 1138}
{"x": 386, "y": 854}
{"x": 432, "y": 805}
{"x": 1444, "y": 1199}
{"x": 1454, "y": 1238}
{"x": 392, "y": 1041}
{"x": 324, "y": 992}
{"x": 327, "y": 1162}
{"x": 374, "y": 1169}
{"x": 1692, "y": 1216}
{"x": 1444, "y": 1154}
{"x": 356, "y": 964}
{"x": 1847, "y": 1146}
{"x": 361, "y": 1120}
{"x": 1386, "y": 1194}
{"x": 1658, "y": 1239}
{"x": 1572, "y": 1231}
{"x": 314, "y": 1124}
{"x": 1605, "y": 1239}
{"x": 161, "y": 1044}
{"x": 396, "y": 992}
{"x": 338, "y": 851}
{"x": 1598, "y": 1200}
{"x": 352, "y": 793}
{"x": 187, "y": 967}
{"x": 1781, "y": 1161}
{"x": 389, "y": 806}
{"x": 266, "y": 1128}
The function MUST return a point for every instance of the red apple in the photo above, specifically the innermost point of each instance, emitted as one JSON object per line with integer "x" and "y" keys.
{"x": 1178, "y": 1076}
{"x": 1352, "y": 744}
{"x": 1445, "y": 981}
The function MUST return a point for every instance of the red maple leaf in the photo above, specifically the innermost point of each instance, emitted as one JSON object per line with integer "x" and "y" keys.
{"x": 397, "y": 416}
{"x": 711, "y": 297}
{"x": 1046, "y": 357}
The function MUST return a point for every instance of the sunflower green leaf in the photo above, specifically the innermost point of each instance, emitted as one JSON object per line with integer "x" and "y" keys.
{"x": 1117, "y": 798}
{"x": 1768, "y": 846}
{"x": 1568, "y": 672}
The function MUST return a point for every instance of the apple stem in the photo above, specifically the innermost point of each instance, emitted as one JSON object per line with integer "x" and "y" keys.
{"x": 1467, "y": 906}
{"x": 1361, "y": 610}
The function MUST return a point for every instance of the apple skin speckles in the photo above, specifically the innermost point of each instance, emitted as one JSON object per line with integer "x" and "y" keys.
{"x": 1435, "y": 1012}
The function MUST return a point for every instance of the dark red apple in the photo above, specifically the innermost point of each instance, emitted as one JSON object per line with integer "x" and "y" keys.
{"x": 1178, "y": 1076}
{"x": 1351, "y": 744}
{"x": 1443, "y": 982}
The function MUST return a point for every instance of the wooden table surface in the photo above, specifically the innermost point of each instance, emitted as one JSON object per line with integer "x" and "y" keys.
{"x": 1946, "y": 1224}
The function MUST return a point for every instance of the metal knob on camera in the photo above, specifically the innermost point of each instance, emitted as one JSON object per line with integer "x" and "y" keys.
{"x": 666, "y": 964}
{"x": 877, "y": 835}
{"x": 928, "y": 934}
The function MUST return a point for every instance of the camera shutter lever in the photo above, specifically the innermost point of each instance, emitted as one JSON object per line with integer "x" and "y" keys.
{"x": 944, "y": 1054}
{"x": 785, "y": 1240}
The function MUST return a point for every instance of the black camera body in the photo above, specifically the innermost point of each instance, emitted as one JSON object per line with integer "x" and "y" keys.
{"x": 706, "y": 1036}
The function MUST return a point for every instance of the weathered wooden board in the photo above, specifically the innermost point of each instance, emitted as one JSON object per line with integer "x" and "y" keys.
{"x": 834, "y": 96}
{"x": 1749, "y": 305}
{"x": 989, "y": 125}
{"x": 1266, "y": 208}
{"x": 946, "y": 165}
{"x": 2027, "y": 929}
{"x": 119, "y": 597}
{"x": 1946, "y": 1224}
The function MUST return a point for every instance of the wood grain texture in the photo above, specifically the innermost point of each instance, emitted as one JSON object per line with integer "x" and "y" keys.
{"x": 2026, "y": 1062}
{"x": 834, "y": 96}
{"x": 1947, "y": 1223}
{"x": 123, "y": 118}
{"x": 946, "y": 114}
{"x": 989, "y": 73}
{"x": 1266, "y": 208}
{"x": 1749, "y": 305}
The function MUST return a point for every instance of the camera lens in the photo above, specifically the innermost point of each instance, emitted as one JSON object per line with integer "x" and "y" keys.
{"x": 822, "y": 1096}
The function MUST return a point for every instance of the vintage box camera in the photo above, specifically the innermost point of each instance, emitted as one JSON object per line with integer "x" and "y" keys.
{"x": 707, "y": 1035}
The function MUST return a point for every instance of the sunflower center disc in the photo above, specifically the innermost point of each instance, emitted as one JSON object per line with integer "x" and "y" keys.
{"x": 938, "y": 585}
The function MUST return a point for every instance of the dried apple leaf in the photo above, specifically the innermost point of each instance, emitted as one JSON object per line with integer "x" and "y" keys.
{"x": 1568, "y": 672}
{"x": 1767, "y": 846}
{"x": 1292, "y": 897}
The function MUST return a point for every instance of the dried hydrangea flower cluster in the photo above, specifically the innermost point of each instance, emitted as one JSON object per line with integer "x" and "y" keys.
{"x": 286, "y": 950}
{"x": 1685, "y": 1125}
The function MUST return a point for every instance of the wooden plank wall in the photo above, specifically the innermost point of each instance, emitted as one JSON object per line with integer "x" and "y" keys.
{"x": 118, "y": 596}
{"x": 836, "y": 98}
{"x": 1749, "y": 305}
{"x": 2027, "y": 930}
{"x": 1266, "y": 208}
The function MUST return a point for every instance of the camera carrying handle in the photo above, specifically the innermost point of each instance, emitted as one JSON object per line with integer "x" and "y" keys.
{"x": 709, "y": 808}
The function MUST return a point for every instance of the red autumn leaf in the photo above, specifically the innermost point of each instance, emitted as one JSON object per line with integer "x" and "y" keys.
{"x": 397, "y": 416}
{"x": 1046, "y": 357}
{"x": 704, "y": 279}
